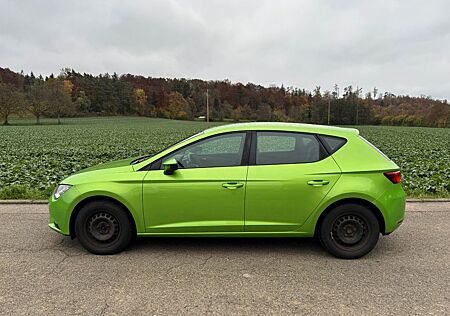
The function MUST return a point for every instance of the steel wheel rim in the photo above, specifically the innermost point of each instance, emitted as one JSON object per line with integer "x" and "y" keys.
{"x": 350, "y": 230}
{"x": 103, "y": 227}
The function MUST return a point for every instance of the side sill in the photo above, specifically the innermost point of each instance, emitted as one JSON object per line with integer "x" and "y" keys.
{"x": 228, "y": 234}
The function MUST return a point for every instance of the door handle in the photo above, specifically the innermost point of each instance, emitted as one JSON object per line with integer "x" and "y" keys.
{"x": 232, "y": 185}
{"x": 318, "y": 183}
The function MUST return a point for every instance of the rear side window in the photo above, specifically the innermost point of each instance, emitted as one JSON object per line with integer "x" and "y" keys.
{"x": 274, "y": 148}
{"x": 332, "y": 143}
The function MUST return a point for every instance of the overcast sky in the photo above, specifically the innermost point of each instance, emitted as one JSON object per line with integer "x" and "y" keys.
{"x": 399, "y": 46}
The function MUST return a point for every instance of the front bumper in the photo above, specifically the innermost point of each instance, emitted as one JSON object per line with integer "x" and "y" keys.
{"x": 55, "y": 227}
{"x": 60, "y": 211}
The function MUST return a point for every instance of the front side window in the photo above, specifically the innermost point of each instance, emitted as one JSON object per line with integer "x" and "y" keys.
{"x": 218, "y": 151}
{"x": 274, "y": 148}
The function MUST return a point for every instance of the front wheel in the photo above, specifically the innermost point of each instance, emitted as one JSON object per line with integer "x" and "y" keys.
{"x": 103, "y": 228}
{"x": 349, "y": 231}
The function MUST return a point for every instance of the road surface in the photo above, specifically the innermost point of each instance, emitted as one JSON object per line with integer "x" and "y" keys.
{"x": 43, "y": 273}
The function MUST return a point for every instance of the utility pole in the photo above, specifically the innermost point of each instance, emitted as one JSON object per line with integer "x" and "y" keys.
{"x": 358, "y": 90}
{"x": 328, "y": 110}
{"x": 207, "y": 106}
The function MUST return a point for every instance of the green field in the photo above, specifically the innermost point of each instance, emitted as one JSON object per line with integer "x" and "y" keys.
{"x": 34, "y": 158}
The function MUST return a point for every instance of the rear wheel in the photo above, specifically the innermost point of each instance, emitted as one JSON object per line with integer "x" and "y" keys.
{"x": 349, "y": 231}
{"x": 103, "y": 228}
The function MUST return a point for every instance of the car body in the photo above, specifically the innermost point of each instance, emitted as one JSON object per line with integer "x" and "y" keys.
{"x": 245, "y": 180}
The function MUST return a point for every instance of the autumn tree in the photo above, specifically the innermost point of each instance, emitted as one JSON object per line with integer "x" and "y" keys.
{"x": 140, "y": 101}
{"x": 60, "y": 101}
{"x": 178, "y": 107}
{"x": 439, "y": 114}
{"x": 264, "y": 113}
{"x": 279, "y": 115}
{"x": 247, "y": 112}
{"x": 67, "y": 86}
{"x": 236, "y": 115}
{"x": 82, "y": 103}
{"x": 11, "y": 101}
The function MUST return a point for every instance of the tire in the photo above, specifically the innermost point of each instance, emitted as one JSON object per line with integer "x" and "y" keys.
{"x": 103, "y": 228}
{"x": 349, "y": 231}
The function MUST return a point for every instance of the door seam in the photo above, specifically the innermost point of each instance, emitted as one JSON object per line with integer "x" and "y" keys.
{"x": 245, "y": 196}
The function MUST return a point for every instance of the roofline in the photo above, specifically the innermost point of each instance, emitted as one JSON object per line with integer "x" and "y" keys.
{"x": 281, "y": 126}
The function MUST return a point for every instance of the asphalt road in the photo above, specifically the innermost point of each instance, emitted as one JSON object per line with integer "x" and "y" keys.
{"x": 44, "y": 273}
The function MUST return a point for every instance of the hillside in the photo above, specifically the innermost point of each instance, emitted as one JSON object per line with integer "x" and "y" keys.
{"x": 179, "y": 98}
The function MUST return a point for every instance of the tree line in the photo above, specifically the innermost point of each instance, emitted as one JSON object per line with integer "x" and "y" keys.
{"x": 75, "y": 94}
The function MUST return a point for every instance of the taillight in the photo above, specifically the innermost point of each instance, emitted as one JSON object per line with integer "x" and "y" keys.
{"x": 394, "y": 176}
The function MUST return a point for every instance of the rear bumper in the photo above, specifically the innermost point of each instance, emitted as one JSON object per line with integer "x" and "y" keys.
{"x": 392, "y": 204}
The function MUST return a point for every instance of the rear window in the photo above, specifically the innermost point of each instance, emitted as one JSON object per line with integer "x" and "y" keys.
{"x": 332, "y": 143}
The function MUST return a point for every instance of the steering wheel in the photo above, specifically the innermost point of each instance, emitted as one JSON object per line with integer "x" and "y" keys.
{"x": 188, "y": 160}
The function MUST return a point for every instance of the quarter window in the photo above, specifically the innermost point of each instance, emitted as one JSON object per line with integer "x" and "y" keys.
{"x": 333, "y": 143}
{"x": 224, "y": 150}
{"x": 286, "y": 148}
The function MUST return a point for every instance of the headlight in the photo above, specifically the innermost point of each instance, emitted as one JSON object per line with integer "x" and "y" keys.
{"x": 60, "y": 189}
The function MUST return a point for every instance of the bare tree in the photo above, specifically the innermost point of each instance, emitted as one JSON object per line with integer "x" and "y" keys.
{"x": 11, "y": 101}
{"x": 38, "y": 100}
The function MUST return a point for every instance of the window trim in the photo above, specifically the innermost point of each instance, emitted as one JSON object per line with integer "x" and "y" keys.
{"x": 325, "y": 144}
{"x": 323, "y": 153}
{"x": 156, "y": 165}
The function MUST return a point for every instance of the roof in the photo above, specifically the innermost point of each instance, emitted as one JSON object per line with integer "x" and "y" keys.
{"x": 279, "y": 126}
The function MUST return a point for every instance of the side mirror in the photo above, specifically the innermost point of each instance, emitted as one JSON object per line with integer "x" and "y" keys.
{"x": 170, "y": 166}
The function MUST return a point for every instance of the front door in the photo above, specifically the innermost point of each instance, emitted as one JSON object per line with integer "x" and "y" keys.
{"x": 207, "y": 192}
{"x": 286, "y": 181}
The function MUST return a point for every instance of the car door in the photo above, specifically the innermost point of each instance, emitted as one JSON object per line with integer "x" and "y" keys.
{"x": 205, "y": 194}
{"x": 288, "y": 176}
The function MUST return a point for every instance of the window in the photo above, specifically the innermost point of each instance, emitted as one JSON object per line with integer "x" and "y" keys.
{"x": 224, "y": 150}
{"x": 286, "y": 148}
{"x": 333, "y": 143}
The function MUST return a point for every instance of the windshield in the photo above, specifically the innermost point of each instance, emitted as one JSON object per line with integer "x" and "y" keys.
{"x": 145, "y": 157}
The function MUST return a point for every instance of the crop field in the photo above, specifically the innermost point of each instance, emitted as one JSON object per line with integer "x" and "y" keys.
{"x": 34, "y": 158}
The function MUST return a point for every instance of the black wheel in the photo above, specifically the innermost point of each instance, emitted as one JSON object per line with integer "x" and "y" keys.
{"x": 349, "y": 231}
{"x": 103, "y": 228}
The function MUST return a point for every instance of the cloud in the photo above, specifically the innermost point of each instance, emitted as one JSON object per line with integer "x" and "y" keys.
{"x": 399, "y": 46}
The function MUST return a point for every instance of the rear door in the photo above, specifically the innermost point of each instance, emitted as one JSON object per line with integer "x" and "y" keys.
{"x": 288, "y": 176}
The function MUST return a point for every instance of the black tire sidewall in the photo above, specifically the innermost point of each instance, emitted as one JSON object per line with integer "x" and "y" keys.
{"x": 358, "y": 251}
{"x": 125, "y": 228}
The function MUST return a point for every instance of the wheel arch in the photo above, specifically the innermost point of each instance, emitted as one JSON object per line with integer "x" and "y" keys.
{"x": 90, "y": 199}
{"x": 375, "y": 210}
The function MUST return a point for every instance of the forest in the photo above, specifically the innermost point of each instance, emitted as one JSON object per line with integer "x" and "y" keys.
{"x": 72, "y": 94}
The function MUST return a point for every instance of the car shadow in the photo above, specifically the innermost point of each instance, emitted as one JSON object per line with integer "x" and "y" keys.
{"x": 229, "y": 244}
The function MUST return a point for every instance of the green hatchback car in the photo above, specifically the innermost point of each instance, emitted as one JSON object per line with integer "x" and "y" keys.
{"x": 239, "y": 180}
